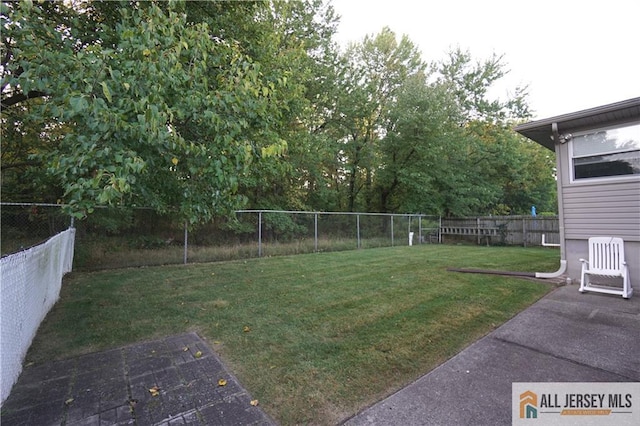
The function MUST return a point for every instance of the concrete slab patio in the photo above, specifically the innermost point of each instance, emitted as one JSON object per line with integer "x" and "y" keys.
{"x": 565, "y": 337}
{"x": 115, "y": 388}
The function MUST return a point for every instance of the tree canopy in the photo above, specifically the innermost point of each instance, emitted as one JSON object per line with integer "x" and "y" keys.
{"x": 199, "y": 108}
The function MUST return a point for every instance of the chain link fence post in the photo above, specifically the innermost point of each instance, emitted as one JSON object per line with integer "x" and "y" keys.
{"x": 315, "y": 232}
{"x": 260, "y": 234}
{"x": 186, "y": 244}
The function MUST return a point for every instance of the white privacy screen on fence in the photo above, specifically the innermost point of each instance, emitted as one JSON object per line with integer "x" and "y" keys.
{"x": 30, "y": 285}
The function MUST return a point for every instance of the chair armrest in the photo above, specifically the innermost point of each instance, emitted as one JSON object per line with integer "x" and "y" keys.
{"x": 584, "y": 261}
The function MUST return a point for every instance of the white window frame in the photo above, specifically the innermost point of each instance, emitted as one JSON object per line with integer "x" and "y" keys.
{"x": 572, "y": 157}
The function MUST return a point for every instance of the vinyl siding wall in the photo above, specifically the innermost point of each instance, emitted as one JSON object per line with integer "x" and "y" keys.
{"x": 611, "y": 208}
{"x": 599, "y": 207}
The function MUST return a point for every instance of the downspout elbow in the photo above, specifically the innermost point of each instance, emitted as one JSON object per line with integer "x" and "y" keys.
{"x": 556, "y": 274}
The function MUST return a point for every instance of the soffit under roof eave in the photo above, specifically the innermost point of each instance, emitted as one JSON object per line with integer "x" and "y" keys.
{"x": 605, "y": 115}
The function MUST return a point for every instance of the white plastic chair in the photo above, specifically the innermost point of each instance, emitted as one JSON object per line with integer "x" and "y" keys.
{"x": 606, "y": 259}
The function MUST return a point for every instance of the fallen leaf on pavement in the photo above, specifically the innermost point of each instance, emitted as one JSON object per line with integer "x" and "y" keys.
{"x": 222, "y": 382}
{"x": 154, "y": 391}
{"x": 254, "y": 402}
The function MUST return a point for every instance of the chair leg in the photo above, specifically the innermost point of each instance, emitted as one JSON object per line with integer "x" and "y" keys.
{"x": 583, "y": 284}
{"x": 627, "y": 291}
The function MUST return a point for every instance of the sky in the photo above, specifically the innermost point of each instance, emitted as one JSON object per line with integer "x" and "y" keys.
{"x": 572, "y": 55}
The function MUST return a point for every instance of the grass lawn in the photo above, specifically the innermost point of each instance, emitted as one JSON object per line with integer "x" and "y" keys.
{"x": 328, "y": 333}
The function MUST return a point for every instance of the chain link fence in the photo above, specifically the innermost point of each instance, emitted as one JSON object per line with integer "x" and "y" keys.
{"x": 25, "y": 225}
{"x": 118, "y": 238}
{"x": 285, "y": 232}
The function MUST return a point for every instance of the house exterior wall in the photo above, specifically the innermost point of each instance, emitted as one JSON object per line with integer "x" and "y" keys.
{"x": 611, "y": 208}
{"x": 599, "y": 207}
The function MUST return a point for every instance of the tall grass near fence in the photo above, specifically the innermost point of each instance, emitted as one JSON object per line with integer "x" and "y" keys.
{"x": 114, "y": 238}
{"x": 115, "y": 254}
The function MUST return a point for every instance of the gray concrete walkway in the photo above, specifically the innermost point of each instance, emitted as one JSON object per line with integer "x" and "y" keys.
{"x": 565, "y": 337}
{"x": 173, "y": 381}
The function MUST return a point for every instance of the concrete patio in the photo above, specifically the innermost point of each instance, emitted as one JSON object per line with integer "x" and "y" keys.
{"x": 567, "y": 336}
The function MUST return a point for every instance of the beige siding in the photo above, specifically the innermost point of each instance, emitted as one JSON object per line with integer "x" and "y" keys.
{"x": 602, "y": 208}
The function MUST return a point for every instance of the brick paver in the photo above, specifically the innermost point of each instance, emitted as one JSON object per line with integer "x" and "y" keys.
{"x": 113, "y": 388}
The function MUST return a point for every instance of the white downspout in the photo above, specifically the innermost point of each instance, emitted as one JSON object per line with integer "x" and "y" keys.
{"x": 563, "y": 259}
{"x": 545, "y": 244}
{"x": 556, "y": 274}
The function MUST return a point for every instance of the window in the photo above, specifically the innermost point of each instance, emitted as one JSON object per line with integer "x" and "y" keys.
{"x": 607, "y": 152}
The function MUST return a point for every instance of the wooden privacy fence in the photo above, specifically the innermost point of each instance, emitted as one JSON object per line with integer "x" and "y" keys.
{"x": 502, "y": 230}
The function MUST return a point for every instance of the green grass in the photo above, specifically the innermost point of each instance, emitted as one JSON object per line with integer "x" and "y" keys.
{"x": 330, "y": 333}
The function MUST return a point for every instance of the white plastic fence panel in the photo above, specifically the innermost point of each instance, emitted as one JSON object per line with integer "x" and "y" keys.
{"x": 30, "y": 283}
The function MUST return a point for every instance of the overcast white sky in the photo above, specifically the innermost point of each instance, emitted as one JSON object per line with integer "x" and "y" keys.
{"x": 573, "y": 54}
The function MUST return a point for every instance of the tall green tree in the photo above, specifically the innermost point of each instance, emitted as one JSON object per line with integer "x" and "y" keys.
{"x": 186, "y": 107}
{"x": 377, "y": 68}
{"x": 449, "y": 149}
{"x": 302, "y": 51}
{"x": 469, "y": 83}
{"x": 419, "y": 152}
{"x": 161, "y": 111}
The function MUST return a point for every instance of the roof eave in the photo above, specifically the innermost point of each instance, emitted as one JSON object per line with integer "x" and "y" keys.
{"x": 605, "y": 115}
